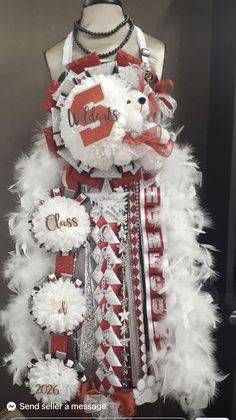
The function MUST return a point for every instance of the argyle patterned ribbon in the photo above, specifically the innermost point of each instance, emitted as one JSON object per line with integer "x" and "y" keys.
{"x": 107, "y": 275}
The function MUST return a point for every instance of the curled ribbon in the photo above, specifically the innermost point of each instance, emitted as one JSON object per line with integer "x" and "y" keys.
{"x": 123, "y": 398}
{"x": 164, "y": 86}
{"x": 152, "y": 138}
{"x": 126, "y": 401}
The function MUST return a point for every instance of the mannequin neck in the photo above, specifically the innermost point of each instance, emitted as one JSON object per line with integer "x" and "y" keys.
{"x": 102, "y": 17}
{"x": 87, "y": 3}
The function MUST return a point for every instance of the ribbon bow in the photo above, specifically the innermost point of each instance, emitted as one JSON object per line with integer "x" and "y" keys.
{"x": 71, "y": 178}
{"x": 151, "y": 137}
{"x": 120, "y": 403}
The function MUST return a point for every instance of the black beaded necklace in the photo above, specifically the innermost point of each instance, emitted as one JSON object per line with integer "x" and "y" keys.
{"x": 98, "y": 35}
{"x": 80, "y": 28}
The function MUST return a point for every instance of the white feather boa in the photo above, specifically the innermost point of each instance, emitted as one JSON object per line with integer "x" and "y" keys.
{"x": 187, "y": 370}
{"x": 35, "y": 175}
{"x": 26, "y": 338}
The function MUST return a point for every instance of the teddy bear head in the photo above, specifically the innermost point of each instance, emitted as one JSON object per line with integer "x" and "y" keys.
{"x": 137, "y": 110}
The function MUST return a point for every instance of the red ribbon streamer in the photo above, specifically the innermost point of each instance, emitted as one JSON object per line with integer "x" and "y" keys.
{"x": 49, "y": 102}
{"x": 88, "y": 60}
{"x": 52, "y": 147}
{"x": 64, "y": 264}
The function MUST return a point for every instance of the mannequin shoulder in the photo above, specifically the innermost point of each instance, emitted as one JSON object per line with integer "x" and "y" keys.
{"x": 157, "y": 56}
{"x": 53, "y": 56}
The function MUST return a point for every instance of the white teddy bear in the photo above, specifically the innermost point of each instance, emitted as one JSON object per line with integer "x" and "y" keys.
{"x": 138, "y": 111}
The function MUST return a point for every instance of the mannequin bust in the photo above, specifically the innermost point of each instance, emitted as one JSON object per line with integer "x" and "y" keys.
{"x": 103, "y": 15}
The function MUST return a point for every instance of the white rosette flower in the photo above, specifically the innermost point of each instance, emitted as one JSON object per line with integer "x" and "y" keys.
{"x": 60, "y": 224}
{"x": 59, "y": 306}
{"x": 51, "y": 381}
